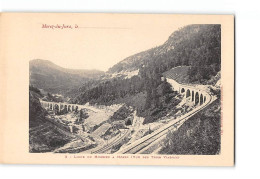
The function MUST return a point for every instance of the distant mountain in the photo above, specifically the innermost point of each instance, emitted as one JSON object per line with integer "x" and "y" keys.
{"x": 132, "y": 63}
{"x": 192, "y": 45}
{"x": 191, "y": 54}
{"x": 195, "y": 48}
{"x": 52, "y": 78}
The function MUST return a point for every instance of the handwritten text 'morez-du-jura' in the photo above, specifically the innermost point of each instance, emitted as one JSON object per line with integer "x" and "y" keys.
{"x": 60, "y": 26}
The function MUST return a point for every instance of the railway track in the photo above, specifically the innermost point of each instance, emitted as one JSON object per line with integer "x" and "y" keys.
{"x": 64, "y": 130}
{"x": 113, "y": 143}
{"x": 133, "y": 149}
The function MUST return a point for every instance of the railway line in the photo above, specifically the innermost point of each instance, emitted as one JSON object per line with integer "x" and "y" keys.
{"x": 111, "y": 144}
{"x": 149, "y": 139}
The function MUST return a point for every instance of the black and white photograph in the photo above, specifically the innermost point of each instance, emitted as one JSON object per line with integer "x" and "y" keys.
{"x": 118, "y": 89}
{"x": 129, "y": 89}
{"x": 164, "y": 100}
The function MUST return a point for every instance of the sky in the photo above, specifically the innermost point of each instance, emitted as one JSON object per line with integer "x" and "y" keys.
{"x": 99, "y": 42}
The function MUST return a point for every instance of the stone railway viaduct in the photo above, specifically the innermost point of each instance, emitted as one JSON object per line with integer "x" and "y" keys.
{"x": 192, "y": 93}
{"x": 61, "y": 106}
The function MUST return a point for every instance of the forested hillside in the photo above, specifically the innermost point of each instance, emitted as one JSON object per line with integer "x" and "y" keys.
{"x": 196, "y": 46}
{"x": 199, "y": 135}
{"x": 55, "y": 79}
{"x": 44, "y": 137}
{"x": 111, "y": 90}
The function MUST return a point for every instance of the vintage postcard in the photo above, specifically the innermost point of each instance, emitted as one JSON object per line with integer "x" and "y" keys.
{"x": 117, "y": 89}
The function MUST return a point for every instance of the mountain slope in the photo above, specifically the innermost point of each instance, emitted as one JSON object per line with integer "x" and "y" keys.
{"x": 43, "y": 136}
{"x": 55, "y": 79}
{"x": 194, "y": 49}
{"x": 179, "y": 74}
{"x": 197, "y": 46}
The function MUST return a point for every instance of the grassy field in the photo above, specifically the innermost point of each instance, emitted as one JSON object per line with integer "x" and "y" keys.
{"x": 179, "y": 74}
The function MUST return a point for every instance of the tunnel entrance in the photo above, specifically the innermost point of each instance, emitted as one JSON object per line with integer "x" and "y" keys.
{"x": 128, "y": 122}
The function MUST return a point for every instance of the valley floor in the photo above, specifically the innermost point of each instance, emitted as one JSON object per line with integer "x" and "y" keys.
{"x": 97, "y": 134}
{"x": 109, "y": 129}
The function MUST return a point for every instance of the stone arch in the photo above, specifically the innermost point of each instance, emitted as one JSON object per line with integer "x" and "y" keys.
{"x": 192, "y": 94}
{"x": 50, "y": 106}
{"x": 56, "y": 107}
{"x": 197, "y": 98}
{"x": 182, "y": 90}
{"x": 76, "y": 108}
{"x": 69, "y": 108}
{"x": 65, "y": 108}
{"x": 205, "y": 99}
{"x": 73, "y": 108}
{"x": 201, "y": 99}
{"x": 187, "y": 93}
